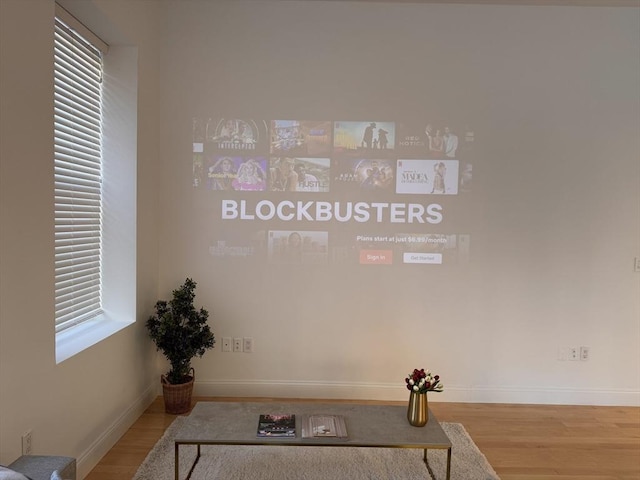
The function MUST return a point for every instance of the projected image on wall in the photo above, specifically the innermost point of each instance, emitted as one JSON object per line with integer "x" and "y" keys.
{"x": 224, "y": 172}
{"x": 434, "y": 249}
{"x": 412, "y": 139}
{"x": 330, "y": 192}
{"x": 239, "y": 244}
{"x": 359, "y": 137}
{"x": 403, "y": 248}
{"x": 363, "y": 174}
{"x": 291, "y": 174}
{"x": 303, "y": 247}
{"x": 427, "y": 177}
{"x": 231, "y": 133}
{"x": 431, "y": 140}
{"x": 300, "y": 138}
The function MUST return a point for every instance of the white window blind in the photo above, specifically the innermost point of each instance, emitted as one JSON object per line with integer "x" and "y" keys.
{"x": 78, "y": 176}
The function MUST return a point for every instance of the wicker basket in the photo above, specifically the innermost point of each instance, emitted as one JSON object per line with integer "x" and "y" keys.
{"x": 177, "y": 398}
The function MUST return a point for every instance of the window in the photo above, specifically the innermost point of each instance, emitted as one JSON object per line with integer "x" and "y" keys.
{"x": 78, "y": 73}
{"x": 95, "y": 135}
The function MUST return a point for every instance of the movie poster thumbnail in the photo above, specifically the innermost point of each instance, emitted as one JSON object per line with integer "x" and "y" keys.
{"x": 427, "y": 177}
{"x": 433, "y": 140}
{"x": 364, "y": 138}
{"x": 442, "y": 141}
{"x": 297, "y": 247}
{"x": 299, "y": 174}
{"x": 224, "y": 172}
{"x": 199, "y": 174}
{"x": 353, "y": 174}
{"x": 301, "y": 138}
{"x": 466, "y": 175}
{"x": 412, "y": 139}
{"x": 198, "y": 132}
{"x": 232, "y": 134}
{"x": 238, "y": 244}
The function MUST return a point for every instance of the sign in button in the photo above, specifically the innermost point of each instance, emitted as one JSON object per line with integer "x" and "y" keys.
{"x": 432, "y": 258}
{"x": 376, "y": 257}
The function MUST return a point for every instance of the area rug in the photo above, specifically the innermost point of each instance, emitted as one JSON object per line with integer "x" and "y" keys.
{"x": 314, "y": 463}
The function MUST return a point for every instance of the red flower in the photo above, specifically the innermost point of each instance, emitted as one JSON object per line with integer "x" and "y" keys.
{"x": 422, "y": 381}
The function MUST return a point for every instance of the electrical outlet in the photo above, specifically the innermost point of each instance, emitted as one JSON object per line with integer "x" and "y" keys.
{"x": 27, "y": 443}
{"x": 248, "y": 345}
{"x": 226, "y": 344}
{"x": 237, "y": 344}
{"x": 574, "y": 353}
{"x": 584, "y": 353}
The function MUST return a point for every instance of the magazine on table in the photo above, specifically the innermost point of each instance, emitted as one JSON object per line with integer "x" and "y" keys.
{"x": 318, "y": 426}
{"x": 277, "y": 425}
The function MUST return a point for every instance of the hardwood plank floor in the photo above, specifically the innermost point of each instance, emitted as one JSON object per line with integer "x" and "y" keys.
{"x": 522, "y": 442}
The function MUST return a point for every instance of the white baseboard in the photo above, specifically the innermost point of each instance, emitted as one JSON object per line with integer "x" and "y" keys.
{"x": 101, "y": 446}
{"x": 556, "y": 396}
{"x": 397, "y": 392}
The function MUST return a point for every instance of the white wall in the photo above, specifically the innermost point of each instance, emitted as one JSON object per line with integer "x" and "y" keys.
{"x": 82, "y": 405}
{"x": 552, "y": 93}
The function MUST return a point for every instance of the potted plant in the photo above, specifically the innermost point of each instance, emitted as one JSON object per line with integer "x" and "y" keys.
{"x": 181, "y": 333}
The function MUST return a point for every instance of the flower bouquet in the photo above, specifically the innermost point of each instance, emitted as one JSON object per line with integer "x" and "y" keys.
{"x": 421, "y": 381}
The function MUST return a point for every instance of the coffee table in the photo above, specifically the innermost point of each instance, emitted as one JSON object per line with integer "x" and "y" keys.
{"x": 380, "y": 426}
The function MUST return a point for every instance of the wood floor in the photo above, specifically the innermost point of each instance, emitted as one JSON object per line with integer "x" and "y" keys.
{"x": 522, "y": 442}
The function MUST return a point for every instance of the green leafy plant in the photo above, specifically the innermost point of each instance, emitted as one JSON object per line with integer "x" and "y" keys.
{"x": 180, "y": 331}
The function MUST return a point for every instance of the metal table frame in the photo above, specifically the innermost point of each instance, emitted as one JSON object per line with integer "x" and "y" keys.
{"x": 371, "y": 426}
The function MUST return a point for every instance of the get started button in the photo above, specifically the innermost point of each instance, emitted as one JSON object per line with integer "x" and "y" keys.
{"x": 432, "y": 258}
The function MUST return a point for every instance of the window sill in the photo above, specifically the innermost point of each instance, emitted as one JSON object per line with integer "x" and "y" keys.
{"x": 79, "y": 338}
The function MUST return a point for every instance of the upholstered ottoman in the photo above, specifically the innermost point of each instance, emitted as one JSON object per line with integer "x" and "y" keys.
{"x": 43, "y": 467}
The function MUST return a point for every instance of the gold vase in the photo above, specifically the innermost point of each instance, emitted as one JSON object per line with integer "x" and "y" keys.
{"x": 418, "y": 411}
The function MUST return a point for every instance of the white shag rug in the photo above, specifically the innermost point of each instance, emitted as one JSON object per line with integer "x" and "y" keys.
{"x": 316, "y": 463}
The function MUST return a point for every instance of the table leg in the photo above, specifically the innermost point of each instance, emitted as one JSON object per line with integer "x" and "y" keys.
{"x": 431, "y": 474}
{"x": 177, "y": 465}
{"x": 177, "y": 457}
{"x": 426, "y": 462}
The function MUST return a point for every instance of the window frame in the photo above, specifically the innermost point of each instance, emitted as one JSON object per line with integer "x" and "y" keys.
{"x": 119, "y": 192}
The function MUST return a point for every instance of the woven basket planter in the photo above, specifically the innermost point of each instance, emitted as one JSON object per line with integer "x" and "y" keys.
{"x": 177, "y": 398}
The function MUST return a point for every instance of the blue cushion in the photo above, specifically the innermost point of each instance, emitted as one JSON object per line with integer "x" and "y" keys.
{"x": 8, "y": 474}
{"x": 40, "y": 467}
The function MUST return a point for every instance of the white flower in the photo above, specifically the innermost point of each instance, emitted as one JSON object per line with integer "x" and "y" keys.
{"x": 423, "y": 381}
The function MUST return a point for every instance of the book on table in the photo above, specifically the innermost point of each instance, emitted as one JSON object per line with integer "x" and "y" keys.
{"x": 277, "y": 425}
{"x": 315, "y": 426}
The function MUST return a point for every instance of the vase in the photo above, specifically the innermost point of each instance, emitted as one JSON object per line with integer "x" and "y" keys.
{"x": 418, "y": 411}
